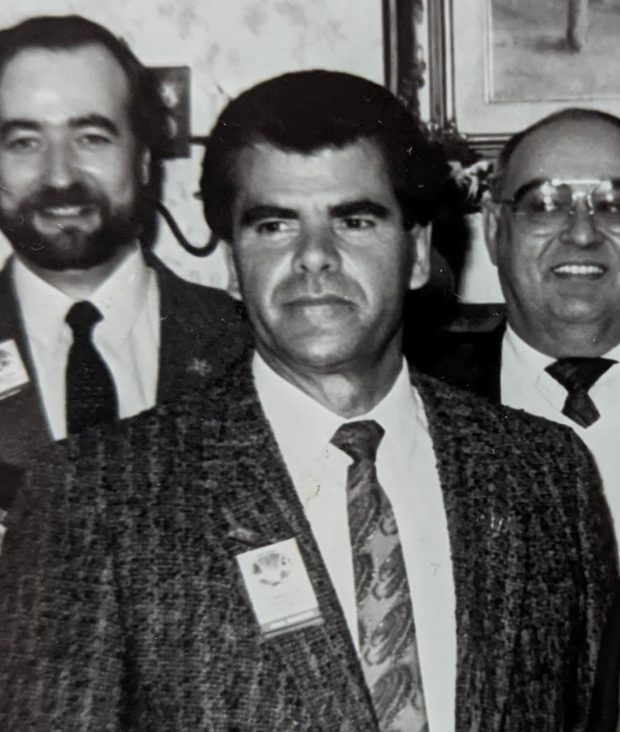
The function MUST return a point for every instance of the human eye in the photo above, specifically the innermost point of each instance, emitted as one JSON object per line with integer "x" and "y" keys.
{"x": 92, "y": 140}
{"x": 275, "y": 228}
{"x": 358, "y": 223}
{"x": 607, "y": 202}
{"x": 356, "y": 226}
{"x": 23, "y": 143}
{"x": 542, "y": 203}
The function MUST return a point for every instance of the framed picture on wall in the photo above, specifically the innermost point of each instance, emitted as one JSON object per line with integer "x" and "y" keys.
{"x": 496, "y": 66}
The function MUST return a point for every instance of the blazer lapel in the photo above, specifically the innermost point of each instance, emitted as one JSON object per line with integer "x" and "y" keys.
{"x": 198, "y": 335}
{"x": 261, "y": 508}
{"x": 488, "y": 553}
{"x": 172, "y": 336}
{"x": 23, "y": 427}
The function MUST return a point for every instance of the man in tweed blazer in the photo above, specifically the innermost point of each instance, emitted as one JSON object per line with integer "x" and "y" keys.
{"x": 126, "y": 603}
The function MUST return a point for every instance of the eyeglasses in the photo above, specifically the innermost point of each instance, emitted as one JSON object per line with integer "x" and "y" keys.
{"x": 548, "y": 205}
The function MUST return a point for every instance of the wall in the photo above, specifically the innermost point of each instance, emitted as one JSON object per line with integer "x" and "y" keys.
{"x": 229, "y": 45}
{"x": 479, "y": 282}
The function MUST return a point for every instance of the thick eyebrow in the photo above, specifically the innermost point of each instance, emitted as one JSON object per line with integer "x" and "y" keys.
{"x": 355, "y": 208}
{"x": 18, "y": 124}
{"x": 258, "y": 213}
{"x": 95, "y": 120}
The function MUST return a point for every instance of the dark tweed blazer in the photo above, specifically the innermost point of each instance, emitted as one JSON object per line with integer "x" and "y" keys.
{"x": 195, "y": 320}
{"x": 122, "y": 607}
{"x": 604, "y": 716}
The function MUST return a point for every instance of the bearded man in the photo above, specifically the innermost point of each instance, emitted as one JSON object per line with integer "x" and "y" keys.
{"x": 92, "y": 328}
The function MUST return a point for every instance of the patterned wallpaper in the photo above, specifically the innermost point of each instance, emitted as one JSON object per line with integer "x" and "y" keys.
{"x": 229, "y": 45}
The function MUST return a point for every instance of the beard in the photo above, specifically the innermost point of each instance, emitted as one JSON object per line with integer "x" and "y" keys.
{"x": 93, "y": 240}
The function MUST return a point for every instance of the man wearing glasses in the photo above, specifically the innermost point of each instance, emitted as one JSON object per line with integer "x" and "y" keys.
{"x": 553, "y": 232}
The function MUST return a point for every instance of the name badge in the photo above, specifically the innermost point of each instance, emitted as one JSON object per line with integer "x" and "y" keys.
{"x": 280, "y": 590}
{"x": 13, "y": 374}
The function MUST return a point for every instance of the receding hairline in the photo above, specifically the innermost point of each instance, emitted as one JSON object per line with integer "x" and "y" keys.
{"x": 573, "y": 115}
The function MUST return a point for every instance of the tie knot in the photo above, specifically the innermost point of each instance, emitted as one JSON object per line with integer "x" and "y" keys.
{"x": 359, "y": 440}
{"x": 82, "y": 317}
{"x": 579, "y": 374}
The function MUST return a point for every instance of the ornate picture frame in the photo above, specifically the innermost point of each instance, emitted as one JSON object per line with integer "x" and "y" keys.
{"x": 469, "y": 46}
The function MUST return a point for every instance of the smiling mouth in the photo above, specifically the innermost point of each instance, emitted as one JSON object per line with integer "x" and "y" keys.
{"x": 65, "y": 211}
{"x": 587, "y": 270}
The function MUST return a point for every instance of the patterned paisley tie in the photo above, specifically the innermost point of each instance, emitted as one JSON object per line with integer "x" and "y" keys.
{"x": 386, "y": 631}
{"x": 577, "y": 376}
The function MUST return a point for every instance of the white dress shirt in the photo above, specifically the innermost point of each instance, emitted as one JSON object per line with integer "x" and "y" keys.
{"x": 526, "y": 385}
{"x": 406, "y": 468}
{"x": 127, "y": 338}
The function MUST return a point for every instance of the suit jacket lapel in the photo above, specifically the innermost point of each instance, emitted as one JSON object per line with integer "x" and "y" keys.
{"x": 262, "y": 507}
{"x": 199, "y": 334}
{"x": 488, "y": 549}
{"x": 172, "y": 368}
{"x": 23, "y": 427}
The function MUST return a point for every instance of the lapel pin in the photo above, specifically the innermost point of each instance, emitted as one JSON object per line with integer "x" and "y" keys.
{"x": 199, "y": 367}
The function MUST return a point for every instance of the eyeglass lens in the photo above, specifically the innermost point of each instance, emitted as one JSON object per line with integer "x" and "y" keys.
{"x": 550, "y": 206}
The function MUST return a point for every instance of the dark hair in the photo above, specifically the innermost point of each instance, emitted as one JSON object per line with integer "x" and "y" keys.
{"x": 59, "y": 33}
{"x": 573, "y": 114}
{"x": 305, "y": 111}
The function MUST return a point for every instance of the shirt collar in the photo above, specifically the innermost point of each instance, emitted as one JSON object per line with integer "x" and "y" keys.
{"x": 44, "y": 307}
{"x": 286, "y": 405}
{"x": 122, "y": 296}
{"x": 524, "y": 355}
{"x": 534, "y": 360}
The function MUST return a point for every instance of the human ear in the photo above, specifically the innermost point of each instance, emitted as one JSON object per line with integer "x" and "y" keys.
{"x": 144, "y": 167}
{"x": 491, "y": 214}
{"x": 420, "y": 241}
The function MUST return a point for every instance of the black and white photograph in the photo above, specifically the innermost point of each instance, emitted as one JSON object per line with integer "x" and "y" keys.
{"x": 309, "y": 366}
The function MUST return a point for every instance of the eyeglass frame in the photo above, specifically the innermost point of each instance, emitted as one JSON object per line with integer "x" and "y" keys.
{"x": 568, "y": 182}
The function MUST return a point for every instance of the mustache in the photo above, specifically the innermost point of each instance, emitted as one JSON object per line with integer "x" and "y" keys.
{"x": 77, "y": 194}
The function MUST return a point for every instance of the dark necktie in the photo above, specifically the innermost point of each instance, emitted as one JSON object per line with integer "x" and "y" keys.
{"x": 385, "y": 619}
{"x": 91, "y": 395}
{"x": 577, "y": 376}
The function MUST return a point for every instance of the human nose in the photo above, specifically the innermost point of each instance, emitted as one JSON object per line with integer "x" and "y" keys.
{"x": 581, "y": 229}
{"x": 59, "y": 165}
{"x": 316, "y": 252}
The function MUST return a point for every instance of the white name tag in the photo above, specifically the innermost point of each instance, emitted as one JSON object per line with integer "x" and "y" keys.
{"x": 280, "y": 590}
{"x": 13, "y": 374}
